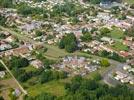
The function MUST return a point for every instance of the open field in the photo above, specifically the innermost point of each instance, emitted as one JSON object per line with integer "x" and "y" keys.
{"x": 116, "y": 33}
{"x": 119, "y": 46}
{"x": 54, "y": 87}
{"x": 7, "y": 84}
{"x": 129, "y": 1}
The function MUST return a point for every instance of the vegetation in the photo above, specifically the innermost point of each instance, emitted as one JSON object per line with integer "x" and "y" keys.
{"x": 113, "y": 56}
{"x": 86, "y": 36}
{"x": 6, "y": 3}
{"x": 26, "y": 10}
{"x": 39, "y": 33}
{"x": 52, "y": 75}
{"x": 1, "y": 67}
{"x": 1, "y": 98}
{"x": 68, "y": 42}
{"x": 94, "y": 1}
{"x": 2, "y": 20}
{"x": 104, "y": 63}
{"x": 18, "y": 62}
{"x": 130, "y": 31}
{"x": 55, "y": 87}
{"x": 46, "y": 62}
{"x": 116, "y": 33}
{"x": 39, "y": 0}
{"x": 129, "y": 1}
{"x": 120, "y": 46}
{"x": 85, "y": 89}
{"x": 67, "y": 8}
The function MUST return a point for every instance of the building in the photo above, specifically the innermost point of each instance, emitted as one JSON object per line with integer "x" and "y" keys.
{"x": 2, "y": 74}
{"x": 107, "y": 39}
{"x": 37, "y": 64}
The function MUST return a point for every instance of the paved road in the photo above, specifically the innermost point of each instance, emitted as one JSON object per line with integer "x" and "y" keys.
{"x": 107, "y": 78}
{"x": 21, "y": 88}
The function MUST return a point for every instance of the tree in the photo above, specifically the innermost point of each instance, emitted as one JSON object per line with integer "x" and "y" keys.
{"x": 45, "y": 96}
{"x": 2, "y": 20}
{"x": 42, "y": 96}
{"x": 26, "y": 10}
{"x": 97, "y": 77}
{"x": 61, "y": 44}
{"x": 1, "y": 67}
{"x": 85, "y": 89}
{"x": 104, "y": 63}
{"x": 132, "y": 6}
{"x": 130, "y": 31}
{"x": 104, "y": 31}
{"x": 6, "y": 3}
{"x": 104, "y": 53}
{"x": 68, "y": 42}
{"x": 95, "y": 1}
{"x": 46, "y": 76}
{"x": 39, "y": 33}
{"x": 39, "y": 0}
{"x": 74, "y": 20}
{"x": 1, "y": 98}
{"x": 86, "y": 37}
{"x": 71, "y": 48}
{"x": 18, "y": 62}
{"x": 115, "y": 56}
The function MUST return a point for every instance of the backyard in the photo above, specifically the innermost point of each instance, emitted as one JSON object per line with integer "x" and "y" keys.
{"x": 116, "y": 33}
{"x": 119, "y": 46}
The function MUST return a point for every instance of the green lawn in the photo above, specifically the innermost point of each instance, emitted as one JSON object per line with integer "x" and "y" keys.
{"x": 54, "y": 51}
{"x": 54, "y": 87}
{"x": 29, "y": 68}
{"x": 129, "y": 1}
{"x": 119, "y": 46}
{"x": 116, "y": 33}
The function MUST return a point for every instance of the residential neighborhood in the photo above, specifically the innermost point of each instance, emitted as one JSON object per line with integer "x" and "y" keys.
{"x": 66, "y": 49}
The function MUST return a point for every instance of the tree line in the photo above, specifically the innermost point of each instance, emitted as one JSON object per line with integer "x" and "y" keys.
{"x": 86, "y": 89}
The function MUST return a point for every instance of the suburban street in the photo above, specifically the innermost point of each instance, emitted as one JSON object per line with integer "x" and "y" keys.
{"x": 107, "y": 75}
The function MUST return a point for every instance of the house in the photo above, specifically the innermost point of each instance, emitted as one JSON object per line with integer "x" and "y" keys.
{"x": 50, "y": 42}
{"x": 4, "y": 46}
{"x": 9, "y": 39}
{"x": 124, "y": 53}
{"x": 6, "y": 33}
{"x": 21, "y": 50}
{"x": 28, "y": 27}
{"x": 126, "y": 67}
{"x": 107, "y": 39}
{"x": 125, "y": 80}
{"x": 131, "y": 62}
{"x": 37, "y": 64}
{"x": 121, "y": 75}
{"x": 128, "y": 38}
{"x": 2, "y": 74}
{"x": 131, "y": 82}
{"x": 16, "y": 92}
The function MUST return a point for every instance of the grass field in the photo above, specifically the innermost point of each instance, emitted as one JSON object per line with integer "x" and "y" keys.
{"x": 54, "y": 87}
{"x": 129, "y": 1}
{"x": 116, "y": 33}
{"x": 29, "y": 68}
{"x": 119, "y": 46}
{"x": 55, "y": 53}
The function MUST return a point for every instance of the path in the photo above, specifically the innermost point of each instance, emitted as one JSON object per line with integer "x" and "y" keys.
{"x": 21, "y": 88}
